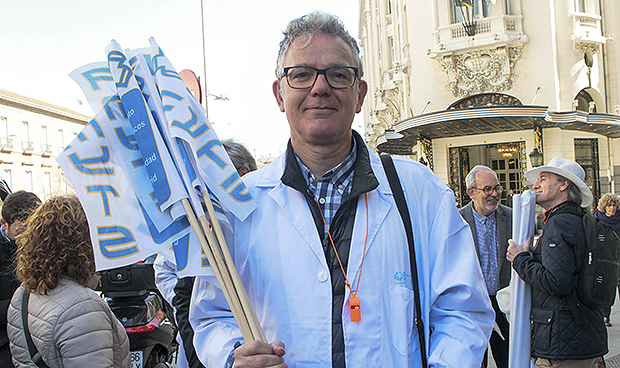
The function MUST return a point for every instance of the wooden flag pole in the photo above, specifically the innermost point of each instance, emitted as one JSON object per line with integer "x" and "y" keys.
{"x": 221, "y": 274}
{"x": 255, "y": 326}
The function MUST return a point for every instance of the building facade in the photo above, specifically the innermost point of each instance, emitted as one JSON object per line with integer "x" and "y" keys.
{"x": 457, "y": 83}
{"x": 32, "y": 134}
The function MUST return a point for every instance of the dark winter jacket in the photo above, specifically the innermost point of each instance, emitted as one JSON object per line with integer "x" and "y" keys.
{"x": 613, "y": 221}
{"x": 551, "y": 272}
{"x": 8, "y": 283}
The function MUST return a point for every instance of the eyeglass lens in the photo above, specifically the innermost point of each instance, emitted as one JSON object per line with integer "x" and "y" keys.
{"x": 305, "y": 77}
{"x": 488, "y": 190}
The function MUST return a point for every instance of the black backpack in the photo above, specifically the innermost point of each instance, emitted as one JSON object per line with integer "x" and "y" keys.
{"x": 597, "y": 280}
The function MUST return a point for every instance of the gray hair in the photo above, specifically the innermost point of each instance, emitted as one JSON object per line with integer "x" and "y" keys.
{"x": 311, "y": 24}
{"x": 574, "y": 194}
{"x": 239, "y": 154}
{"x": 470, "y": 179}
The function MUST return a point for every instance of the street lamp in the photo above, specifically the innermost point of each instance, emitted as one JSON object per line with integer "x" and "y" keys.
{"x": 536, "y": 158}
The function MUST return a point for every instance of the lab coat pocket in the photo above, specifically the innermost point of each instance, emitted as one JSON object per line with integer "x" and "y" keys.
{"x": 401, "y": 319}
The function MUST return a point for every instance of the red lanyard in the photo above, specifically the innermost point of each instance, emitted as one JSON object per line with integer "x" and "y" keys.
{"x": 354, "y": 302}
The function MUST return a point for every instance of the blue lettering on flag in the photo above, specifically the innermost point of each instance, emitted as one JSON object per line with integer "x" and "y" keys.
{"x": 229, "y": 181}
{"x": 137, "y": 163}
{"x": 165, "y": 72}
{"x": 109, "y": 109}
{"x": 121, "y": 246}
{"x": 103, "y": 190}
{"x": 143, "y": 131}
{"x": 204, "y": 261}
{"x": 169, "y": 232}
{"x": 126, "y": 71}
{"x": 97, "y": 128}
{"x": 241, "y": 193}
{"x": 94, "y": 76}
{"x": 191, "y": 123}
{"x": 99, "y": 162}
{"x": 181, "y": 252}
{"x": 128, "y": 141}
{"x": 206, "y": 150}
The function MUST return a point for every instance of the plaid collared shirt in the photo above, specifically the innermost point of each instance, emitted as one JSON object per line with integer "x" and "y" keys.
{"x": 334, "y": 187}
{"x": 486, "y": 230}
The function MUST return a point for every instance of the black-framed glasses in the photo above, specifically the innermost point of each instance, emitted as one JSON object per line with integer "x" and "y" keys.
{"x": 303, "y": 77}
{"x": 488, "y": 190}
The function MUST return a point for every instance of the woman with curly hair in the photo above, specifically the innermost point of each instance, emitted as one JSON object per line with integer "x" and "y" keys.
{"x": 607, "y": 211}
{"x": 70, "y": 324}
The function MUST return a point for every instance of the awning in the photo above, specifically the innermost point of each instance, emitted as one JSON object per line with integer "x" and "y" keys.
{"x": 491, "y": 119}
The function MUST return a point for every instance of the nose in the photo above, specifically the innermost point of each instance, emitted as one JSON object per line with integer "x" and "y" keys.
{"x": 321, "y": 87}
{"x": 537, "y": 184}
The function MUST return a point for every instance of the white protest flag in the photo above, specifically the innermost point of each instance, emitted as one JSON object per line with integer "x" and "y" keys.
{"x": 523, "y": 225}
{"x": 121, "y": 231}
{"x": 168, "y": 189}
{"x": 190, "y": 259}
{"x": 101, "y": 92}
{"x": 97, "y": 84}
{"x": 187, "y": 121}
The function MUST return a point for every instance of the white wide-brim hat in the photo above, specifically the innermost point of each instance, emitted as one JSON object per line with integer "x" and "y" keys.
{"x": 568, "y": 169}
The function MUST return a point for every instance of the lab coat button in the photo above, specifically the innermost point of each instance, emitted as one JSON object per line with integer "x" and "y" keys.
{"x": 322, "y": 276}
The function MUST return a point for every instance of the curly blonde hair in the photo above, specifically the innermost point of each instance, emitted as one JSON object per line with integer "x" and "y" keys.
{"x": 608, "y": 198}
{"x": 55, "y": 242}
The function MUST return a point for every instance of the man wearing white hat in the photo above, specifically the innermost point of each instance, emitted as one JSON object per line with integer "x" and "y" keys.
{"x": 558, "y": 339}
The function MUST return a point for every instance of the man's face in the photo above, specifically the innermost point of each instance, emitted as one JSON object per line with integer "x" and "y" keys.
{"x": 483, "y": 203}
{"x": 319, "y": 115}
{"x": 11, "y": 231}
{"x": 549, "y": 190}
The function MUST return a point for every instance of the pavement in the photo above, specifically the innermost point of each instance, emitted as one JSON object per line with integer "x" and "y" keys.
{"x": 612, "y": 359}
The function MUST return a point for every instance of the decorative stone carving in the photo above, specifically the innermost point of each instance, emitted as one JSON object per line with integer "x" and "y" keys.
{"x": 486, "y": 99}
{"x": 387, "y": 113}
{"x": 584, "y": 46}
{"x": 479, "y": 71}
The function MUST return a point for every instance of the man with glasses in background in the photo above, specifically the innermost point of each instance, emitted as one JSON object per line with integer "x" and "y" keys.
{"x": 324, "y": 210}
{"x": 491, "y": 227}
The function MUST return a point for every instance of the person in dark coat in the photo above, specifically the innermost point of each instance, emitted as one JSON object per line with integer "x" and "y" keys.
{"x": 607, "y": 211}
{"x": 16, "y": 209}
{"x": 565, "y": 332}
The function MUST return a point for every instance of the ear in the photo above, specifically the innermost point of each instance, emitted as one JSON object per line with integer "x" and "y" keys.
{"x": 470, "y": 192}
{"x": 277, "y": 93}
{"x": 4, "y": 224}
{"x": 564, "y": 185}
{"x": 363, "y": 89}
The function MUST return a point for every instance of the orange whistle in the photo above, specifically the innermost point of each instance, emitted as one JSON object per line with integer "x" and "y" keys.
{"x": 356, "y": 313}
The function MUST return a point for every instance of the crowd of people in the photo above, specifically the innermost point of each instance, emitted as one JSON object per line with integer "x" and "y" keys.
{"x": 324, "y": 257}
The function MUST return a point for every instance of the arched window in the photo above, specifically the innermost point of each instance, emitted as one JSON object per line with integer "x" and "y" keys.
{"x": 584, "y": 102}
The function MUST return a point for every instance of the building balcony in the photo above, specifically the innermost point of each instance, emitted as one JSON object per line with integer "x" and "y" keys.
{"x": 27, "y": 147}
{"x": 490, "y": 31}
{"x": 46, "y": 149}
{"x": 587, "y": 32}
{"x": 6, "y": 144}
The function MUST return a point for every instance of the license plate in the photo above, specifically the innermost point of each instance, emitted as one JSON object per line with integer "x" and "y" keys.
{"x": 136, "y": 359}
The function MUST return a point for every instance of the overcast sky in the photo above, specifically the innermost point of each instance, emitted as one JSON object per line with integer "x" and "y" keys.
{"x": 41, "y": 42}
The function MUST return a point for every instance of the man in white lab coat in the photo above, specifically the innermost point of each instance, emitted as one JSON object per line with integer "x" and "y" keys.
{"x": 326, "y": 235}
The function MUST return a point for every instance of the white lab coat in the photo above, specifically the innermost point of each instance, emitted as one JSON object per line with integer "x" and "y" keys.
{"x": 166, "y": 279}
{"x": 279, "y": 256}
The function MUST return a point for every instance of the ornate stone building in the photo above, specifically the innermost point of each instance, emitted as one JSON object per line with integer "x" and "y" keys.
{"x": 455, "y": 86}
{"x": 32, "y": 134}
